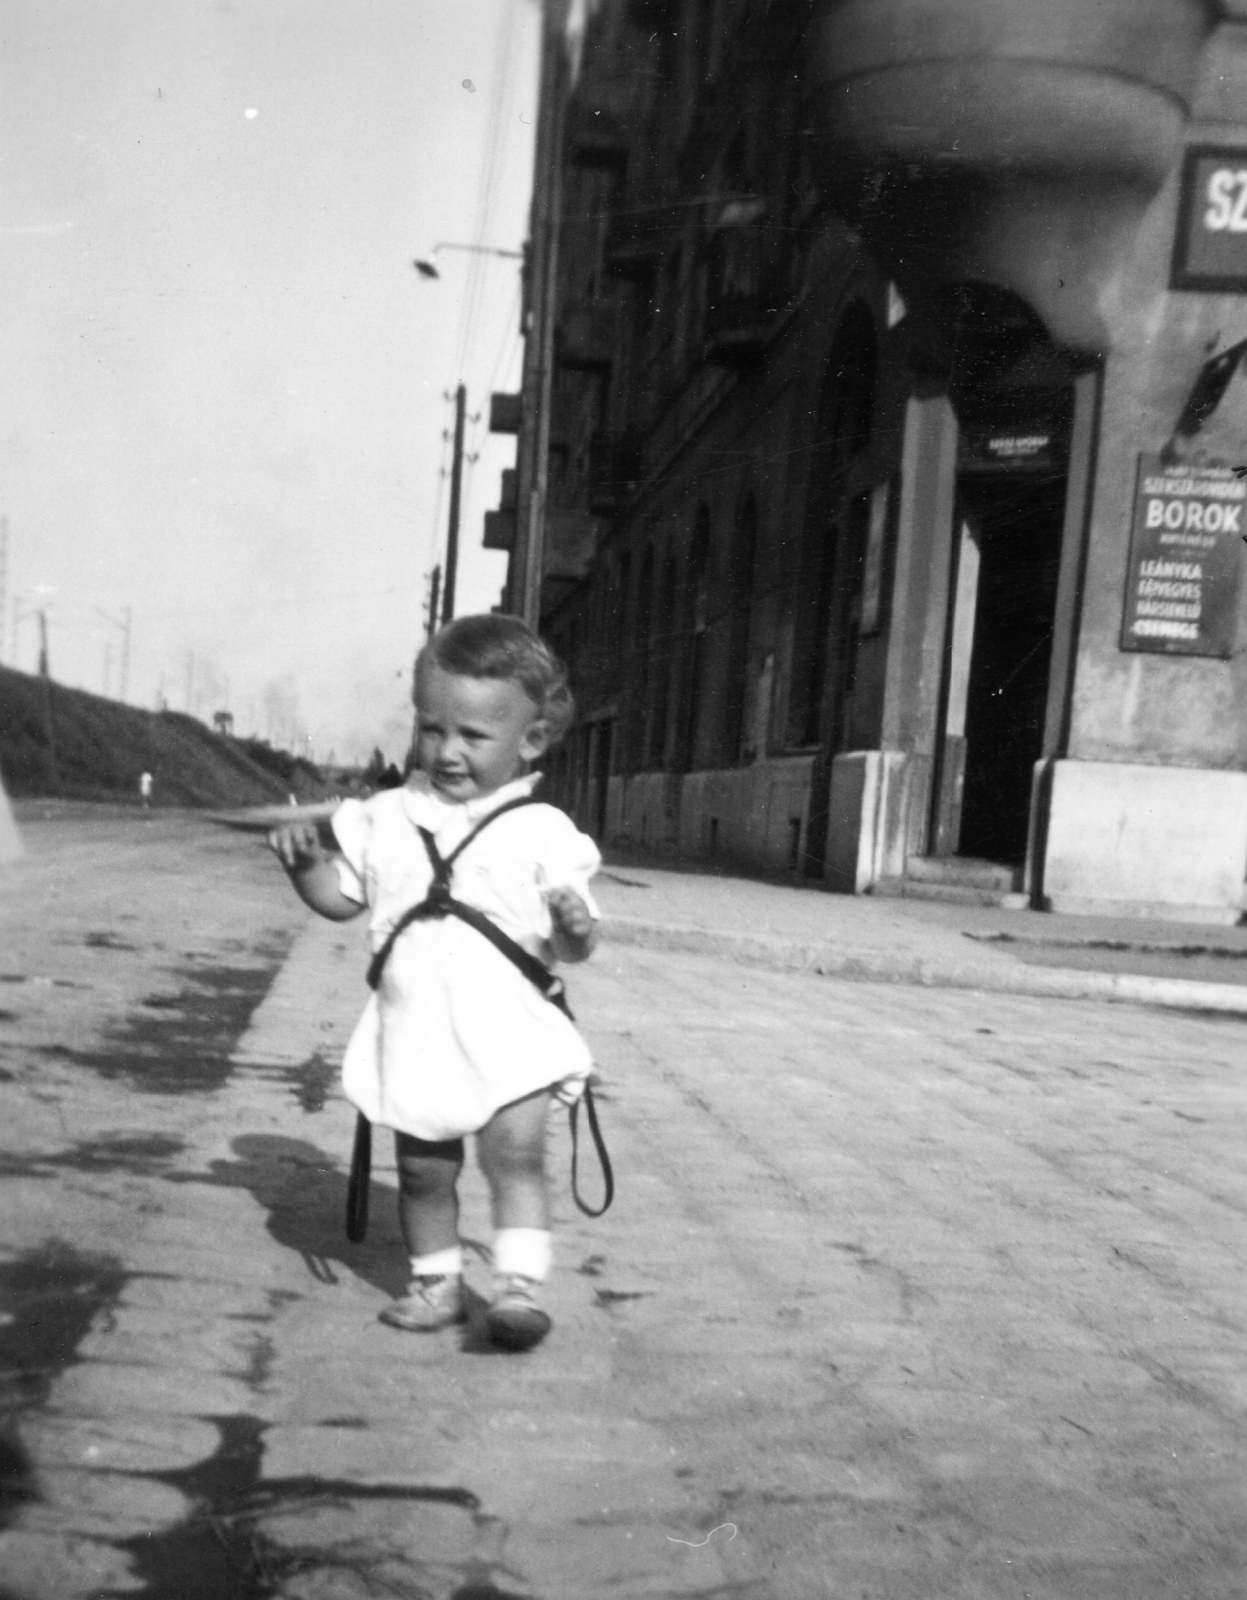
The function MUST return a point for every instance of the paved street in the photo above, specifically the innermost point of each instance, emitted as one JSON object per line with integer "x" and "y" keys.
{"x": 907, "y": 1292}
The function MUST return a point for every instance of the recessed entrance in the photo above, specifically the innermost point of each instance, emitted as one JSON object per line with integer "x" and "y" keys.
{"x": 1000, "y": 645}
{"x": 1012, "y": 389}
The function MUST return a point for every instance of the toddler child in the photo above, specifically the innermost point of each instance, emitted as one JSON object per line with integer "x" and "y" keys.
{"x": 455, "y": 1039}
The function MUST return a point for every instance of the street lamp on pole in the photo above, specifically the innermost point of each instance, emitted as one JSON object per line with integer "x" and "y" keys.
{"x": 425, "y": 267}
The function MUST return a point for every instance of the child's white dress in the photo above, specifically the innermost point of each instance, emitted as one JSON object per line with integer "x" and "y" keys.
{"x": 455, "y": 1031}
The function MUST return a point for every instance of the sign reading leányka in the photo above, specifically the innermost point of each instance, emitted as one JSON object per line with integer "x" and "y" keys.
{"x": 1185, "y": 551}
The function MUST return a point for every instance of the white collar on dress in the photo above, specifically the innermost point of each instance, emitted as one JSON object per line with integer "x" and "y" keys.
{"x": 428, "y": 809}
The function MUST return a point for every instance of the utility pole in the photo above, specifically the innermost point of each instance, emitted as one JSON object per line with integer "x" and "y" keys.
{"x": 533, "y": 455}
{"x": 125, "y": 622}
{"x": 45, "y": 677}
{"x": 4, "y": 578}
{"x": 456, "y": 489}
{"x": 435, "y": 590}
{"x": 124, "y": 685}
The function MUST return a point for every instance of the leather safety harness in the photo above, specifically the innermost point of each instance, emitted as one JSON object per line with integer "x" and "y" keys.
{"x": 437, "y": 903}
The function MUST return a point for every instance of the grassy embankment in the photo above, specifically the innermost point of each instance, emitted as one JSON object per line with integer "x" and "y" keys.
{"x": 59, "y": 741}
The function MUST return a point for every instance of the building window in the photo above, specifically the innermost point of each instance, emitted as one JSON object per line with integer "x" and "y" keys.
{"x": 740, "y": 584}
{"x": 643, "y": 635}
{"x": 842, "y": 435}
{"x": 693, "y": 631}
{"x": 665, "y": 606}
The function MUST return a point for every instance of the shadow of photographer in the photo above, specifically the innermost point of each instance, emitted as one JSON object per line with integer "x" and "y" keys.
{"x": 303, "y": 1191}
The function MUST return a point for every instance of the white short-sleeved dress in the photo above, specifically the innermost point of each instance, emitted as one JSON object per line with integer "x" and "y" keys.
{"x": 455, "y": 1031}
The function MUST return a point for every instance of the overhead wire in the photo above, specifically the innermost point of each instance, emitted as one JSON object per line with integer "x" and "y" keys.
{"x": 501, "y": 89}
{"x": 501, "y": 99}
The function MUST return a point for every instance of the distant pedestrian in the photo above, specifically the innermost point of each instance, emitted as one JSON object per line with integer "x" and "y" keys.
{"x": 456, "y": 1039}
{"x": 145, "y": 790}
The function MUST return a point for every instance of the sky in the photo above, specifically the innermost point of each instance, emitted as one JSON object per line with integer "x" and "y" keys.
{"x": 223, "y": 385}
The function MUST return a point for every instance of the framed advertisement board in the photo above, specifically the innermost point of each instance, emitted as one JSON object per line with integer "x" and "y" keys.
{"x": 1186, "y": 544}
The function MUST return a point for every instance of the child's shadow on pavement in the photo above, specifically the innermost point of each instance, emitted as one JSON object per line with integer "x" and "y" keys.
{"x": 304, "y": 1193}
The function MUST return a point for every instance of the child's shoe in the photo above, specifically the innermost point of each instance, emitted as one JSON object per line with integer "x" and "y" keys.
{"x": 514, "y": 1319}
{"x": 429, "y": 1303}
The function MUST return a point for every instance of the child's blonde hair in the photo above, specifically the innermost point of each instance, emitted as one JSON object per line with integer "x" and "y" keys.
{"x": 500, "y": 646}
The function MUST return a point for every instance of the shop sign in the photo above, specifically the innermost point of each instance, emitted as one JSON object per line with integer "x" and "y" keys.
{"x": 1210, "y": 249}
{"x": 1005, "y": 449}
{"x": 1186, "y": 546}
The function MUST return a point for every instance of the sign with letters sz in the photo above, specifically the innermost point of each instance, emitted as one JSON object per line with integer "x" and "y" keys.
{"x": 1185, "y": 550}
{"x": 1210, "y": 251}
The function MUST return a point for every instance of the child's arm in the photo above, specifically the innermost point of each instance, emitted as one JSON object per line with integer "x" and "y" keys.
{"x": 574, "y": 933}
{"x": 297, "y": 846}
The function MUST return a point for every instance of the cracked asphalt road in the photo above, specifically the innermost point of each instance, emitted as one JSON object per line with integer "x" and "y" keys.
{"x": 906, "y": 1292}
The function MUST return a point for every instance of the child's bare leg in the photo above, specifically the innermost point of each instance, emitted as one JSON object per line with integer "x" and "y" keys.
{"x": 428, "y": 1199}
{"x": 511, "y": 1148}
{"x": 428, "y": 1213}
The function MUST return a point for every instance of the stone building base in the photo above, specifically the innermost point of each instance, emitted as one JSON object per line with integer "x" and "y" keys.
{"x": 1142, "y": 841}
{"x": 752, "y": 816}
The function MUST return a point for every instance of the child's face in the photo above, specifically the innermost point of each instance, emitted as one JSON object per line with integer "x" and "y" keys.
{"x": 473, "y": 734}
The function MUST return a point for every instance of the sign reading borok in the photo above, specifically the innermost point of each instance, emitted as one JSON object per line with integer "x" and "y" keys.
{"x": 1185, "y": 551}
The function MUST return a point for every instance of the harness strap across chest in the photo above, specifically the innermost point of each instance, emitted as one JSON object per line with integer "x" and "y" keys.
{"x": 439, "y": 902}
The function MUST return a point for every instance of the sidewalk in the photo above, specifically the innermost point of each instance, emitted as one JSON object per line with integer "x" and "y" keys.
{"x": 800, "y": 927}
{"x": 796, "y": 928}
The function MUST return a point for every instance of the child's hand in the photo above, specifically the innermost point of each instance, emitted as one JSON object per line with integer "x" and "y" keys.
{"x": 296, "y": 845}
{"x": 574, "y": 932}
{"x": 569, "y": 913}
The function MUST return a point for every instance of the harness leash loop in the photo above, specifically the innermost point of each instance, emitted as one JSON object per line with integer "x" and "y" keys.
{"x": 439, "y": 902}
{"x": 599, "y": 1144}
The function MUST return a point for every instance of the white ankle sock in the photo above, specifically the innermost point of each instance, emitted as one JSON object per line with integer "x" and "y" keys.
{"x": 523, "y": 1253}
{"x": 441, "y": 1264}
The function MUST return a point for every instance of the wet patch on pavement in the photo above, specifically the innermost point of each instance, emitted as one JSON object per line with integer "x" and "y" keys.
{"x": 485, "y": 1591}
{"x": 219, "y": 1552}
{"x": 49, "y": 1297}
{"x": 140, "y": 1154}
{"x": 606, "y": 1298}
{"x": 311, "y": 1081}
{"x": 41, "y": 981}
{"x": 182, "y": 1043}
{"x": 106, "y": 939}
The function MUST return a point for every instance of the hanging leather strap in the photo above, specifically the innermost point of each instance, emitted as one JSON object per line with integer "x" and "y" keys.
{"x": 358, "y": 1183}
{"x": 599, "y": 1144}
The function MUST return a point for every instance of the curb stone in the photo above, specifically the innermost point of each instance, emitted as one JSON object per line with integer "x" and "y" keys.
{"x": 889, "y": 966}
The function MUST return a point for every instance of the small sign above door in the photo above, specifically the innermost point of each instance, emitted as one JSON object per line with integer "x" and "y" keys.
{"x": 982, "y": 448}
{"x": 1186, "y": 544}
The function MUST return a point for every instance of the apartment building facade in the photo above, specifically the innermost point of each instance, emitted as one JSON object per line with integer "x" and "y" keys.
{"x": 897, "y": 442}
